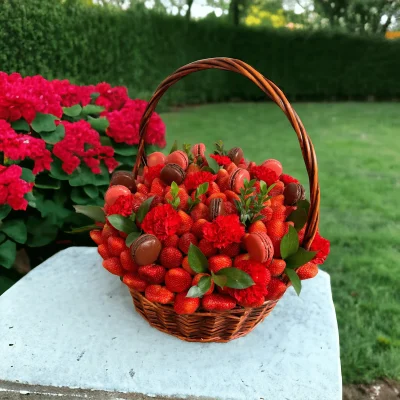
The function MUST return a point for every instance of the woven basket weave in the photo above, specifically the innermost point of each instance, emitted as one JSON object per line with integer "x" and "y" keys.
{"x": 226, "y": 325}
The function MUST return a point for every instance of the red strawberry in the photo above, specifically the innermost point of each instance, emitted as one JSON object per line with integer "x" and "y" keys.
{"x": 108, "y": 231}
{"x": 232, "y": 250}
{"x": 215, "y": 196}
{"x": 276, "y": 228}
{"x": 186, "y": 266}
{"x": 222, "y": 173}
{"x": 103, "y": 251}
{"x": 127, "y": 261}
{"x": 159, "y": 294}
{"x": 96, "y": 236}
{"x": 140, "y": 197}
{"x": 193, "y": 168}
{"x": 185, "y": 240}
{"x": 289, "y": 210}
{"x": 152, "y": 273}
{"x": 276, "y": 242}
{"x": 279, "y": 213}
{"x": 277, "y": 267}
{"x": 157, "y": 200}
{"x": 183, "y": 196}
{"x": 200, "y": 211}
{"x": 239, "y": 258}
{"x": 171, "y": 257}
{"x": 202, "y": 197}
{"x": 186, "y": 305}
{"x": 171, "y": 241}
{"x": 277, "y": 189}
{"x": 224, "y": 184}
{"x": 276, "y": 289}
{"x": 116, "y": 245}
{"x": 231, "y": 196}
{"x": 196, "y": 280}
{"x": 157, "y": 187}
{"x": 307, "y": 271}
{"x": 277, "y": 200}
{"x": 207, "y": 248}
{"x": 114, "y": 266}
{"x": 141, "y": 188}
{"x": 257, "y": 226}
{"x": 134, "y": 281}
{"x": 230, "y": 208}
{"x": 213, "y": 188}
{"x": 197, "y": 228}
{"x": 186, "y": 223}
{"x": 267, "y": 213}
{"x": 178, "y": 280}
{"x": 215, "y": 263}
{"x": 218, "y": 302}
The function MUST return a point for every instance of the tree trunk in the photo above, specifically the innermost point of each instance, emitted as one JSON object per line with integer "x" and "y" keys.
{"x": 189, "y": 10}
{"x": 234, "y": 12}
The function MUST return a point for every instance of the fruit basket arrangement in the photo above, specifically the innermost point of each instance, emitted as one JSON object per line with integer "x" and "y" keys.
{"x": 207, "y": 241}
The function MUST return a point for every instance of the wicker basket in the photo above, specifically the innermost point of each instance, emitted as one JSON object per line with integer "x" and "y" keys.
{"x": 227, "y": 325}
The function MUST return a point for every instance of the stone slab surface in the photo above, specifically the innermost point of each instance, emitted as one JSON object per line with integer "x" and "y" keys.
{"x": 71, "y": 324}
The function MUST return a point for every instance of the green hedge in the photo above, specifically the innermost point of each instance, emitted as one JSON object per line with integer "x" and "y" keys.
{"x": 88, "y": 44}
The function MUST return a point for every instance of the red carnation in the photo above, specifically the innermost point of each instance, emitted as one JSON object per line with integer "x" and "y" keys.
{"x": 111, "y": 98}
{"x": 264, "y": 174}
{"x": 221, "y": 160}
{"x": 162, "y": 221}
{"x": 322, "y": 246}
{"x": 153, "y": 173}
{"x": 286, "y": 179}
{"x": 224, "y": 230}
{"x": 195, "y": 179}
{"x": 123, "y": 206}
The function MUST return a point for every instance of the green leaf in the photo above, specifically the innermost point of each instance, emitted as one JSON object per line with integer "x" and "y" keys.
{"x": 15, "y": 229}
{"x": 299, "y": 217}
{"x": 82, "y": 229}
{"x": 207, "y": 169}
{"x": 294, "y": 278}
{"x": 174, "y": 189}
{"x": 131, "y": 238}
{"x": 300, "y": 258}
{"x": 106, "y": 141}
{"x": 143, "y": 209}
{"x": 125, "y": 149}
{"x": 202, "y": 189}
{"x": 99, "y": 124}
{"x": 94, "y": 212}
{"x": 123, "y": 224}
{"x": 4, "y": 211}
{"x": 219, "y": 280}
{"x": 236, "y": 278}
{"x": 197, "y": 260}
{"x": 40, "y": 232}
{"x": 55, "y": 136}
{"x": 213, "y": 164}
{"x": 27, "y": 175}
{"x": 44, "y": 123}
{"x": 94, "y": 96}
{"x": 84, "y": 176}
{"x": 92, "y": 191}
{"x": 44, "y": 181}
{"x": 57, "y": 172}
{"x": 5, "y": 284}
{"x": 31, "y": 199}
{"x": 92, "y": 109}
{"x": 79, "y": 197}
{"x": 289, "y": 243}
{"x": 2, "y": 237}
{"x": 202, "y": 287}
{"x": 174, "y": 147}
{"x": 263, "y": 187}
{"x": 151, "y": 148}
{"x": 56, "y": 213}
{"x": 8, "y": 252}
{"x": 21, "y": 125}
{"x": 304, "y": 204}
{"x": 72, "y": 111}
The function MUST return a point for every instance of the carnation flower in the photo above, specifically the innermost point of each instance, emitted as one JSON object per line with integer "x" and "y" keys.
{"x": 153, "y": 173}
{"x": 195, "y": 179}
{"x": 224, "y": 230}
{"x": 286, "y": 179}
{"x": 265, "y": 174}
{"x": 72, "y": 94}
{"x": 322, "y": 246}
{"x": 111, "y": 98}
{"x": 124, "y": 206}
{"x": 221, "y": 160}
{"x": 162, "y": 221}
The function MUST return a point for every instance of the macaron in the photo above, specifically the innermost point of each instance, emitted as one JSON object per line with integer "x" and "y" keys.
{"x": 275, "y": 165}
{"x": 123, "y": 178}
{"x": 172, "y": 173}
{"x": 145, "y": 249}
{"x": 216, "y": 208}
{"x": 237, "y": 178}
{"x": 178, "y": 157}
{"x": 155, "y": 158}
{"x": 236, "y": 155}
{"x": 198, "y": 149}
{"x": 114, "y": 192}
{"x": 260, "y": 247}
{"x": 293, "y": 192}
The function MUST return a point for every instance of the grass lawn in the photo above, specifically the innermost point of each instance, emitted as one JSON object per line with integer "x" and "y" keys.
{"x": 358, "y": 149}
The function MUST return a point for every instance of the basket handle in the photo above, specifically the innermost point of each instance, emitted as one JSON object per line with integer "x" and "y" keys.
{"x": 273, "y": 92}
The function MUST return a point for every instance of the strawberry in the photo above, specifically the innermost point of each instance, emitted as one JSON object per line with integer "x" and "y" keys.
{"x": 185, "y": 240}
{"x": 276, "y": 243}
{"x": 231, "y": 196}
{"x": 171, "y": 257}
{"x": 171, "y": 241}
{"x": 213, "y": 188}
{"x": 103, "y": 251}
{"x": 127, "y": 261}
{"x": 178, "y": 280}
{"x": 193, "y": 168}
{"x": 134, "y": 281}
{"x": 289, "y": 210}
{"x": 157, "y": 200}
{"x": 186, "y": 266}
{"x": 152, "y": 273}
{"x": 141, "y": 188}
{"x": 232, "y": 250}
{"x": 267, "y": 213}
{"x": 277, "y": 189}
{"x": 197, "y": 228}
{"x": 277, "y": 200}
{"x": 277, "y": 267}
{"x": 96, "y": 236}
{"x": 207, "y": 248}
{"x": 186, "y": 223}
{"x": 257, "y": 226}
{"x": 196, "y": 280}
{"x": 186, "y": 305}
{"x": 276, "y": 228}
{"x": 159, "y": 294}
{"x": 114, "y": 266}
{"x": 276, "y": 289}
{"x": 108, "y": 231}
{"x": 140, "y": 196}
{"x": 215, "y": 196}
{"x": 230, "y": 208}
{"x": 239, "y": 258}
{"x": 200, "y": 211}
{"x": 307, "y": 271}
{"x": 279, "y": 213}
{"x": 116, "y": 245}
{"x": 218, "y": 302}
{"x": 183, "y": 196}
{"x": 221, "y": 174}
{"x": 224, "y": 184}
{"x": 202, "y": 197}
{"x": 215, "y": 263}
{"x": 157, "y": 187}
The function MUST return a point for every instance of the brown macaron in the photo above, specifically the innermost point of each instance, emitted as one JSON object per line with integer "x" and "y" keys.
{"x": 145, "y": 249}
{"x": 236, "y": 155}
{"x": 172, "y": 173}
{"x": 124, "y": 178}
{"x": 293, "y": 192}
{"x": 260, "y": 247}
{"x": 216, "y": 208}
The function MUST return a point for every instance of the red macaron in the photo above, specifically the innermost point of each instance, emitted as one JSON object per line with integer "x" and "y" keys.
{"x": 260, "y": 247}
{"x": 237, "y": 178}
{"x": 178, "y": 157}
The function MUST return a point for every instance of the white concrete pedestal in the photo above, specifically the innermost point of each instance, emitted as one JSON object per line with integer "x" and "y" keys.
{"x": 71, "y": 324}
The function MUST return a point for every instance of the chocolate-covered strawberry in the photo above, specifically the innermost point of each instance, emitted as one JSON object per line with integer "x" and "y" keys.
{"x": 236, "y": 155}
{"x": 123, "y": 178}
{"x": 293, "y": 193}
{"x": 145, "y": 249}
{"x": 172, "y": 173}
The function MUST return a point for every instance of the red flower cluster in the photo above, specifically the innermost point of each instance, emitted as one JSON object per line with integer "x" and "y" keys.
{"x": 286, "y": 179}
{"x": 111, "y": 98}
{"x": 323, "y": 248}
{"x": 13, "y": 188}
{"x": 124, "y": 206}
{"x": 195, "y": 179}
{"x": 264, "y": 174}
{"x": 221, "y": 160}
{"x": 153, "y": 172}
{"x": 72, "y": 94}
{"x": 223, "y": 231}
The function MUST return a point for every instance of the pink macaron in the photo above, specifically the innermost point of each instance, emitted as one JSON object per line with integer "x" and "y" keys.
{"x": 155, "y": 158}
{"x": 198, "y": 149}
{"x": 260, "y": 247}
{"x": 178, "y": 157}
{"x": 237, "y": 178}
{"x": 275, "y": 165}
{"x": 114, "y": 192}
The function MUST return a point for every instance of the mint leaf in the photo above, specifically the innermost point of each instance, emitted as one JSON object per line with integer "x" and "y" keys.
{"x": 300, "y": 258}
{"x": 20, "y": 125}
{"x": 197, "y": 260}
{"x": 143, "y": 209}
{"x": 44, "y": 123}
{"x": 289, "y": 243}
{"x": 8, "y": 252}
{"x": 294, "y": 278}
{"x": 94, "y": 212}
{"x": 72, "y": 111}
{"x": 202, "y": 287}
{"x": 131, "y": 238}
{"x": 174, "y": 147}
{"x": 123, "y": 224}
{"x": 15, "y": 229}
{"x": 263, "y": 187}
{"x": 236, "y": 278}
{"x": 202, "y": 189}
{"x": 174, "y": 189}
